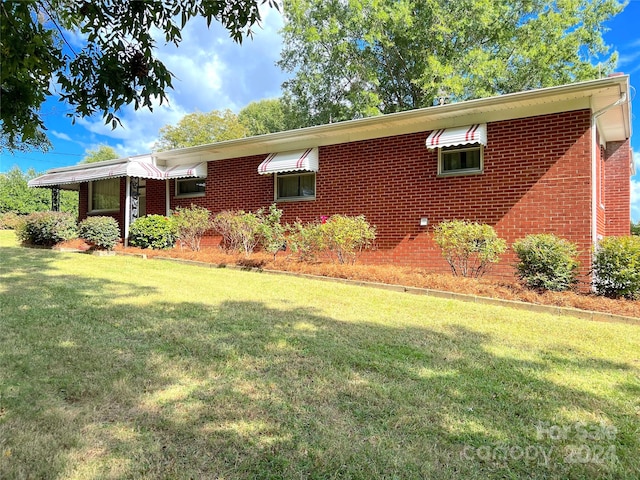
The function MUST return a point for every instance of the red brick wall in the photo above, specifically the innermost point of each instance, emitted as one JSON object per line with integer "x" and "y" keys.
{"x": 156, "y": 197}
{"x": 617, "y": 188}
{"x": 536, "y": 179}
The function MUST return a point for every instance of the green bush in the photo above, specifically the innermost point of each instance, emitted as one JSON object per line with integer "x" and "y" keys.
{"x": 240, "y": 230}
{"x": 191, "y": 224}
{"x": 344, "y": 237}
{"x": 47, "y": 228}
{"x": 305, "y": 240}
{"x": 470, "y": 248}
{"x": 10, "y": 220}
{"x": 616, "y": 267}
{"x": 271, "y": 231}
{"x": 103, "y": 232}
{"x": 153, "y": 231}
{"x": 546, "y": 262}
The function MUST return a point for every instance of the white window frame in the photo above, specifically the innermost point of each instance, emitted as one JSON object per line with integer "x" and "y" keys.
{"x": 463, "y": 171}
{"x": 276, "y": 193}
{"x": 190, "y": 195}
{"x": 91, "y": 210}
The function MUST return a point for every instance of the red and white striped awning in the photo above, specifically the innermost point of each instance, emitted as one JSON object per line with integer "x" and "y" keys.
{"x": 198, "y": 170}
{"x": 306, "y": 160}
{"x": 449, "y": 137}
{"x": 113, "y": 169}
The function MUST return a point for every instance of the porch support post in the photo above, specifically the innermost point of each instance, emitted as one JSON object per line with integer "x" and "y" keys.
{"x": 167, "y": 198}
{"x": 55, "y": 198}
{"x": 132, "y": 203}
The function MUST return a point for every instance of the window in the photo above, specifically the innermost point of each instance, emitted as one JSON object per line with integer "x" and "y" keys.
{"x": 460, "y": 161}
{"x": 104, "y": 195}
{"x": 190, "y": 187}
{"x": 296, "y": 186}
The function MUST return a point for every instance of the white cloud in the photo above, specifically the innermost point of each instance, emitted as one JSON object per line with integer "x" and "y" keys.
{"x": 61, "y": 135}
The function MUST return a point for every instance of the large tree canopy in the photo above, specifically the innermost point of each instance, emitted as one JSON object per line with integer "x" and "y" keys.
{"x": 100, "y": 154}
{"x": 17, "y": 197}
{"x": 115, "y": 67}
{"x": 199, "y": 129}
{"x": 355, "y": 58}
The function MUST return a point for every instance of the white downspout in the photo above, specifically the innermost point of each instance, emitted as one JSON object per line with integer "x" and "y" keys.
{"x": 594, "y": 167}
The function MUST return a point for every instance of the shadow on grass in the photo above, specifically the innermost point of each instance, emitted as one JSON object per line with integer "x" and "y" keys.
{"x": 94, "y": 387}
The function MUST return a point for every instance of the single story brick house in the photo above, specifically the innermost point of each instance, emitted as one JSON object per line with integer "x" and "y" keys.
{"x": 553, "y": 160}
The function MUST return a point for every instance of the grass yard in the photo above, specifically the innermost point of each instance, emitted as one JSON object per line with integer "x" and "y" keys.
{"x": 118, "y": 367}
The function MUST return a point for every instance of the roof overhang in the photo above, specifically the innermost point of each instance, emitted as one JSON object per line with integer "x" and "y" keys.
{"x": 615, "y": 125}
{"x": 142, "y": 166}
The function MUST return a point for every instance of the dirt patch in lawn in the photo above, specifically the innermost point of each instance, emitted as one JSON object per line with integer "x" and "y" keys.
{"x": 405, "y": 276}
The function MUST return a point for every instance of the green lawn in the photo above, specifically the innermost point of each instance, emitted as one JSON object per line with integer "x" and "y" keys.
{"x": 118, "y": 367}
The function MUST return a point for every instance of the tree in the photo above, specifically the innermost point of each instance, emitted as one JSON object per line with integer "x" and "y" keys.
{"x": 100, "y": 154}
{"x": 16, "y": 196}
{"x": 264, "y": 116}
{"x": 201, "y": 128}
{"x": 115, "y": 67}
{"x": 357, "y": 58}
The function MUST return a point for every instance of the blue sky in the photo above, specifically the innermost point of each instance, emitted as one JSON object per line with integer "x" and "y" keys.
{"x": 215, "y": 73}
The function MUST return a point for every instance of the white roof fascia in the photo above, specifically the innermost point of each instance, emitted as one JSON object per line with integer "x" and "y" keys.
{"x": 504, "y": 107}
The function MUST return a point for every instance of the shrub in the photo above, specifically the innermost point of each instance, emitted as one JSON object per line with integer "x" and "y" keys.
{"x": 616, "y": 267}
{"x": 305, "y": 240}
{"x": 470, "y": 248}
{"x": 9, "y": 220}
{"x": 240, "y": 230}
{"x": 271, "y": 231}
{"x": 103, "y": 232}
{"x": 191, "y": 224}
{"x": 344, "y": 237}
{"x": 153, "y": 231}
{"x": 546, "y": 262}
{"x": 47, "y": 228}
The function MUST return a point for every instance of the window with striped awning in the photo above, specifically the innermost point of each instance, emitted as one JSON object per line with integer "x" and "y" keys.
{"x": 450, "y": 137}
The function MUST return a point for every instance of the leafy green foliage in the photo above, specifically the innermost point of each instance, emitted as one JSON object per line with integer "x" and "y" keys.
{"x": 100, "y": 154}
{"x": 470, "y": 248}
{"x": 305, "y": 240}
{"x": 344, "y": 237}
{"x": 265, "y": 116}
{"x": 103, "y": 232}
{"x": 546, "y": 262}
{"x": 153, "y": 231}
{"x": 240, "y": 230}
{"x": 199, "y": 129}
{"x": 635, "y": 228}
{"x": 47, "y": 228}
{"x": 362, "y": 57}
{"x": 271, "y": 230}
{"x": 616, "y": 267}
{"x": 9, "y": 220}
{"x": 191, "y": 224}
{"x": 16, "y": 196}
{"x": 116, "y": 65}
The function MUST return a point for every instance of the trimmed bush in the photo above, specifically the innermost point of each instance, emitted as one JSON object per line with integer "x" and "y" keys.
{"x": 240, "y": 230}
{"x": 305, "y": 240}
{"x": 470, "y": 248}
{"x": 271, "y": 231}
{"x": 546, "y": 262}
{"x": 10, "y": 220}
{"x": 616, "y": 267}
{"x": 344, "y": 237}
{"x": 153, "y": 231}
{"x": 191, "y": 224}
{"x": 47, "y": 228}
{"x": 103, "y": 232}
